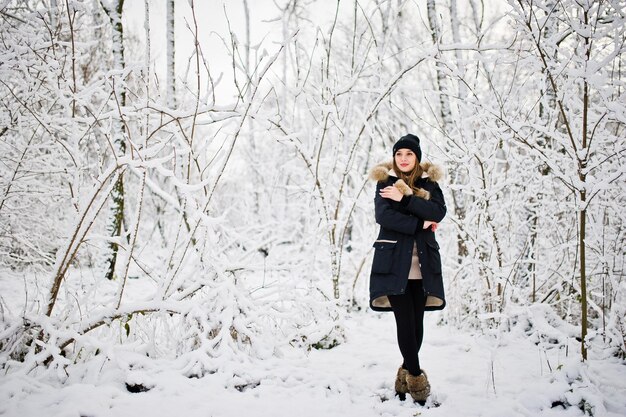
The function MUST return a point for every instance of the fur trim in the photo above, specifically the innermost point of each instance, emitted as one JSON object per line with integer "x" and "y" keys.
{"x": 400, "y": 385}
{"x": 382, "y": 172}
{"x": 403, "y": 187}
{"x": 422, "y": 193}
{"x": 418, "y": 386}
{"x": 431, "y": 171}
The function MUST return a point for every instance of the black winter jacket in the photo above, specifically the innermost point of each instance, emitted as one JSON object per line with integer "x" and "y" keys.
{"x": 401, "y": 225}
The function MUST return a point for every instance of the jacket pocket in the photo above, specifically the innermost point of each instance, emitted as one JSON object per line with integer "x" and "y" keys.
{"x": 383, "y": 256}
{"x": 434, "y": 257}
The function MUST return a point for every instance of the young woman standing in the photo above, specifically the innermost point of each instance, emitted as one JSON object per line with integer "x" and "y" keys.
{"x": 406, "y": 271}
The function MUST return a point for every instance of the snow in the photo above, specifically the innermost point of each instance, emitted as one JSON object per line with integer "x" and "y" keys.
{"x": 499, "y": 375}
{"x": 222, "y": 301}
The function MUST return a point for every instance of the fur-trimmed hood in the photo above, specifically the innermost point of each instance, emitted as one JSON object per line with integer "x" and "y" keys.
{"x": 383, "y": 171}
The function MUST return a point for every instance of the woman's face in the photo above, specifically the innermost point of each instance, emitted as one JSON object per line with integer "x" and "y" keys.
{"x": 405, "y": 160}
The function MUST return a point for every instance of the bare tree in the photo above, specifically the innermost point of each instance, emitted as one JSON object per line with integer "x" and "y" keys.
{"x": 447, "y": 123}
{"x": 582, "y": 135}
{"x": 171, "y": 55}
{"x": 114, "y": 10}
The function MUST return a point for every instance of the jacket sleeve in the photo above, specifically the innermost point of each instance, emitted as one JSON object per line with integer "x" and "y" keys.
{"x": 392, "y": 219}
{"x": 433, "y": 210}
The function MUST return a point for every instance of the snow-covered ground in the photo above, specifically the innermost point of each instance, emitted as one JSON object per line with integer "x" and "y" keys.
{"x": 471, "y": 375}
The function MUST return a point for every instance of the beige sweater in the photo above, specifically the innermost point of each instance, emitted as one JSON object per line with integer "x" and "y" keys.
{"x": 415, "y": 272}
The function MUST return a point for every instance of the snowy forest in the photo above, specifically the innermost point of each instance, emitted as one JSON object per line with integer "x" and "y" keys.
{"x": 184, "y": 191}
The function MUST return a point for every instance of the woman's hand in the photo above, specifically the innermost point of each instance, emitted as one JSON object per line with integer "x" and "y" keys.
{"x": 391, "y": 193}
{"x": 428, "y": 223}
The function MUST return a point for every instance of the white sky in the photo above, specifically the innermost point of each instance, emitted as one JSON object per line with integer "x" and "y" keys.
{"x": 265, "y": 27}
{"x": 211, "y": 20}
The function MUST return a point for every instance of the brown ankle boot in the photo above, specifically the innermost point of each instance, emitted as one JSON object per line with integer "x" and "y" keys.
{"x": 418, "y": 387}
{"x": 401, "y": 387}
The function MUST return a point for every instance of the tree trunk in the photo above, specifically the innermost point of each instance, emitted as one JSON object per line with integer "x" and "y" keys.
{"x": 446, "y": 116}
{"x": 535, "y": 204}
{"x": 582, "y": 173}
{"x": 444, "y": 102}
{"x": 457, "y": 177}
{"x": 583, "y": 279}
{"x": 171, "y": 61}
{"x": 116, "y": 210}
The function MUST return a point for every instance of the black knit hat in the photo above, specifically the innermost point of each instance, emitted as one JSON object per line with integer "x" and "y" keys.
{"x": 411, "y": 142}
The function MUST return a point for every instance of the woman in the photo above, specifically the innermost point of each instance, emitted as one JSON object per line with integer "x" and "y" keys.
{"x": 406, "y": 271}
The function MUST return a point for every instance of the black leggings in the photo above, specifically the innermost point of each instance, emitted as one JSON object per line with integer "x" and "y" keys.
{"x": 408, "y": 308}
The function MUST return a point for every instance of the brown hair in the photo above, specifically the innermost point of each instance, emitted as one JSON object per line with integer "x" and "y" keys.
{"x": 411, "y": 177}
